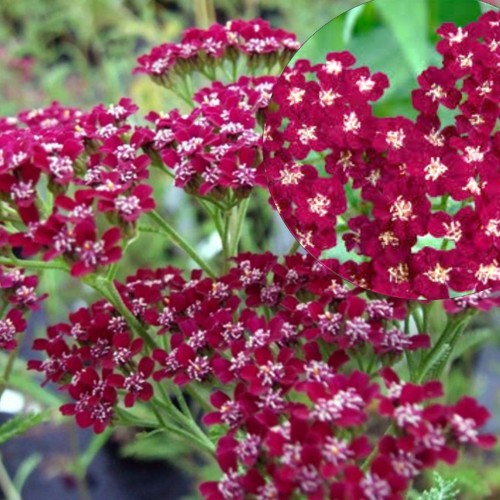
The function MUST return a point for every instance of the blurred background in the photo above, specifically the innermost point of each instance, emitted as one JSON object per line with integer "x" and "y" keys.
{"x": 81, "y": 53}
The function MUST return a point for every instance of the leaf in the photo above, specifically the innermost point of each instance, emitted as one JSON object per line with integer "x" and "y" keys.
{"x": 471, "y": 340}
{"x": 436, "y": 362}
{"x": 444, "y": 489}
{"x": 350, "y": 21}
{"x": 385, "y": 55}
{"x": 474, "y": 482}
{"x": 409, "y": 28}
{"x": 25, "y": 469}
{"x": 432, "y": 242}
{"x": 20, "y": 424}
{"x": 329, "y": 38}
{"x": 447, "y": 11}
{"x": 340, "y": 252}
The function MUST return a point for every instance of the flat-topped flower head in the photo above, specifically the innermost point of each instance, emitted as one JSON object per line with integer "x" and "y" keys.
{"x": 254, "y": 41}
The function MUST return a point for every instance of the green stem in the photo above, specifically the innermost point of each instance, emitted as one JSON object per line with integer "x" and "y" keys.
{"x": 96, "y": 444}
{"x": 7, "y": 485}
{"x": 113, "y": 268}
{"x": 111, "y": 294}
{"x": 178, "y": 240}
{"x": 33, "y": 264}
{"x": 409, "y": 355}
{"x": 444, "y": 202}
{"x": 192, "y": 432}
{"x": 236, "y": 226}
{"x": 293, "y": 248}
{"x": 415, "y": 313}
{"x": 183, "y": 97}
{"x": 449, "y": 335}
{"x": 204, "y": 12}
{"x": 127, "y": 419}
{"x": 234, "y": 69}
{"x": 193, "y": 391}
{"x": 361, "y": 365}
{"x": 110, "y": 275}
{"x": 226, "y": 221}
{"x": 372, "y": 364}
{"x": 182, "y": 400}
{"x": 158, "y": 416}
{"x": 374, "y": 452}
{"x": 426, "y": 308}
{"x": 76, "y": 467}
{"x": 227, "y": 74}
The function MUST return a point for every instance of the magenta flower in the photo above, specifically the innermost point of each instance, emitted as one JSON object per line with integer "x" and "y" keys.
{"x": 90, "y": 253}
{"x": 12, "y": 324}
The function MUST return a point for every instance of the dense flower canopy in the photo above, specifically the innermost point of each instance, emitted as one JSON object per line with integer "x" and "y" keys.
{"x": 279, "y": 338}
{"x": 413, "y": 203}
{"x": 305, "y": 397}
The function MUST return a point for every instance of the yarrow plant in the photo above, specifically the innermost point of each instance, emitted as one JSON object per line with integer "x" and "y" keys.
{"x": 409, "y": 206}
{"x": 308, "y": 387}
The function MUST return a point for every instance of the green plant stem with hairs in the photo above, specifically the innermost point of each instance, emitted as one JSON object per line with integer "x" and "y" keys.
{"x": 169, "y": 231}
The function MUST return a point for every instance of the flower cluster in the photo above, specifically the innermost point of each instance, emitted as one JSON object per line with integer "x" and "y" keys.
{"x": 217, "y": 145}
{"x": 206, "y": 50}
{"x": 59, "y": 170}
{"x": 91, "y": 358}
{"x": 17, "y": 297}
{"x": 415, "y": 201}
{"x": 282, "y": 449}
{"x": 283, "y": 340}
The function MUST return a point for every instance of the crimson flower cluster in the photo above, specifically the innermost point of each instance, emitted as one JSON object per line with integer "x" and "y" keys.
{"x": 281, "y": 339}
{"x": 82, "y": 165}
{"x": 17, "y": 298}
{"x": 206, "y": 50}
{"x": 92, "y": 357}
{"x": 416, "y": 201}
{"x": 217, "y": 146}
{"x": 298, "y": 363}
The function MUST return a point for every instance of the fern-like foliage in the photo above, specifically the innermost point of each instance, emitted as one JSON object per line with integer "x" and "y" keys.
{"x": 20, "y": 424}
{"x": 443, "y": 489}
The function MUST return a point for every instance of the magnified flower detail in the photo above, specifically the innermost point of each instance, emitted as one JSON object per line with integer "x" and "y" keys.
{"x": 408, "y": 206}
